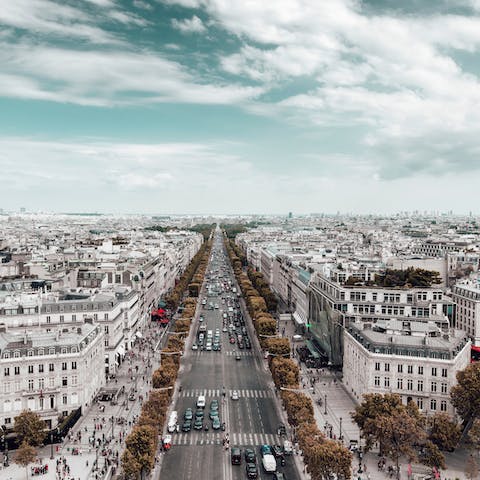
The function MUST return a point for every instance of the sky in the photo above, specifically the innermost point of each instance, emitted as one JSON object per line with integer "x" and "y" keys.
{"x": 240, "y": 106}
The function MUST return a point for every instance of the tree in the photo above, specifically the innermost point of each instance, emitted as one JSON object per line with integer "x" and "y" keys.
{"x": 278, "y": 346}
{"x": 299, "y": 408}
{"x": 26, "y": 454}
{"x": 464, "y": 395}
{"x": 432, "y": 456}
{"x": 141, "y": 442}
{"x": 444, "y": 432}
{"x": 373, "y": 406}
{"x": 329, "y": 459}
{"x": 30, "y": 428}
{"x": 131, "y": 468}
{"x": 397, "y": 432}
{"x": 471, "y": 468}
{"x": 285, "y": 372}
{"x": 474, "y": 435}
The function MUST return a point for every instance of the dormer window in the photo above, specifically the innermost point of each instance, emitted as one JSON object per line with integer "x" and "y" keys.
{"x": 16, "y": 354}
{"x": 51, "y": 351}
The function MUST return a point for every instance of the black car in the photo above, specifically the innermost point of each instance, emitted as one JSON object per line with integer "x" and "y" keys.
{"x": 236, "y": 456}
{"x": 250, "y": 456}
{"x": 187, "y": 426}
{"x": 252, "y": 471}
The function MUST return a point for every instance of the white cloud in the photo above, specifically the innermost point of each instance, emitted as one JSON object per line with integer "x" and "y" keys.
{"x": 189, "y": 25}
{"x": 142, "y": 5}
{"x": 48, "y": 17}
{"x": 106, "y": 78}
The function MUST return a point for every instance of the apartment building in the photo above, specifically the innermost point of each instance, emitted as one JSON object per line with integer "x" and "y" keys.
{"x": 50, "y": 372}
{"x": 416, "y": 360}
{"x": 466, "y": 295}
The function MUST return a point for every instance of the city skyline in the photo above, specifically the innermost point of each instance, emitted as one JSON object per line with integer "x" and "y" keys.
{"x": 201, "y": 106}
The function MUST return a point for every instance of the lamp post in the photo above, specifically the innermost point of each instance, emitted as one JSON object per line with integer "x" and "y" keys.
{"x": 325, "y": 403}
{"x": 51, "y": 445}
{"x": 340, "y": 428}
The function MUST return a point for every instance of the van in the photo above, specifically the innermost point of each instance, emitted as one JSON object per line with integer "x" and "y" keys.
{"x": 172, "y": 421}
{"x": 287, "y": 447}
{"x": 201, "y": 401}
{"x": 269, "y": 463}
{"x": 210, "y": 334}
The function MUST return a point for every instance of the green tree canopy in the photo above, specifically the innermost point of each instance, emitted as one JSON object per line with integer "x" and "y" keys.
{"x": 464, "y": 395}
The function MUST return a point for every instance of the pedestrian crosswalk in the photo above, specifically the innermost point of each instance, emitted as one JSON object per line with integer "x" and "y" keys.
{"x": 229, "y": 353}
{"x": 217, "y": 392}
{"x": 216, "y": 438}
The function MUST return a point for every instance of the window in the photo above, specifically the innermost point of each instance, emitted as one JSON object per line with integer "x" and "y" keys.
{"x": 16, "y": 370}
{"x": 30, "y": 385}
{"x": 443, "y": 388}
{"x": 64, "y": 399}
{"x": 105, "y": 316}
{"x": 74, "y": 318}
{"x": 51, "y": 382}
{"x": 40, "y": 368}
{"x": 64, "y": 365}
{"x": 40, "y": 351}
{"x": 434, "y": 371}
{"x": 443, "y": 405}
{"x": 62, "y": 318}
{"x": 400, "y": 368}
{"x": 8, "y": 421}
{"x": 399, "y": 383}
{"x": 420, "y": 385}
{"x": 30, "y": 369}
{"x": 41, "y": 383}
{"x": 377, "y": 381}
{"x": 444, "y": 373}
{"x": 410, "y": 369}
{"x": 64, "y": 381}
{"x": 387, "y": 367}
{"x": 51, "y": 367}
{"x": 409, "y": 384}
{"x": 49, "y": 319}
{"x": 6, "y": 387}
{"x": 377, "y": 366}
{"x": 420, "y": 370}
{"x": 30, "y": 353}
{"x": 95, "y": 316}
{"x": 6, "y": 371}
{"x": 74, "y": 365}
{"x": 420, "y": 403}
{"x": 106, "y": 329}
{"x": 51, "y": 351}
{"x": 16, "y": 354}
{"x": 433, "y": 386}
{"x": 386, "y": 382}
{"x": 433, "y": 404}
{"x": 74, "y": 380}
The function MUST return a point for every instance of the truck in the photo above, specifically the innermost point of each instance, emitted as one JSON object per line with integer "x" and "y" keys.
{"x": 269, "y": 463}
{"x": 172, "y": 422}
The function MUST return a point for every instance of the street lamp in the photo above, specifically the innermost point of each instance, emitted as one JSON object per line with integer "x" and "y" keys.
{"x": 51, "y": 445}
{"x": 340, "y": 428}
{"x": 325, "y": 403}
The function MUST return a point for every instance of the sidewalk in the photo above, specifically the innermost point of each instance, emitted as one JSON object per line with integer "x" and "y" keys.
{"x": 98, "y": 435}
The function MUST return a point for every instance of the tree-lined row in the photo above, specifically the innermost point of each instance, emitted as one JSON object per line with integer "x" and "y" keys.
{"x": 141, "y": 444}
{"x": 324, "y": 458}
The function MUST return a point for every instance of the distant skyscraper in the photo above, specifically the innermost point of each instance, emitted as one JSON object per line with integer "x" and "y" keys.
{"x": 290, "y": 215}
{"x": 22, "y": 210}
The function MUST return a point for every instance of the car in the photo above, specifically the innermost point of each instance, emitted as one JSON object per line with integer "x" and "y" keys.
{"x": 214, "y": 404}
{"x": 248, "y": 345}
{"x": 188, "y": 415}
{"x": 194, "y": 346}
{"x": 236, "y": 456}
{"x": 234, "y": 395}
{"x": 281, "y": 430}
{"x": 279, "y": 476}
{"x": 250, "y": 456}
{"x": 232, "y": 340}
{"x": 201, "y": 401}
{"x": 213, "y": 414}
{"x": 265, "y": 450}
{"x": 225, "y": 329}
{"x": 201, "y": 319}
{"x": 252, "y": 470}
{"x": 216, "y": 423}
{"x": 241, "y": 346}
{"x": 277, "y": 451}
{"x": 216, "y": 347}
{"x": 238, "y": 357}
{"x": 187, "y": 426}
{"x": 131, "y": 397}
{"x": 198, "y": 424}
{"x": 208, "y": 347}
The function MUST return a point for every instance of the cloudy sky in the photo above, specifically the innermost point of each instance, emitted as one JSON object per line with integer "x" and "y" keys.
{"x": 235, "y": 106}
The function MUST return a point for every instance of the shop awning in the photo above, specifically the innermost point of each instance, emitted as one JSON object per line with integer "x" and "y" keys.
{"x": 139, "y": 334}
{"x": 298, "y": 319}
{"x": 312, "y": 349}
{"x": 121, "y": 350}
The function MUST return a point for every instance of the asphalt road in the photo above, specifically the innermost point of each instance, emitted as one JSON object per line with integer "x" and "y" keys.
{"x": 251, "y": 421}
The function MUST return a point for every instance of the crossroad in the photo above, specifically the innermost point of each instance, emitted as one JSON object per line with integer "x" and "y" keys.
{"x": 252, "y": 440}
{"x": 210, "y": 394}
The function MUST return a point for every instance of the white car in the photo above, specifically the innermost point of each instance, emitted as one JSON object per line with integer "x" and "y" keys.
{"x": 234, "y": 395}
{"x": 194, "y": 346}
